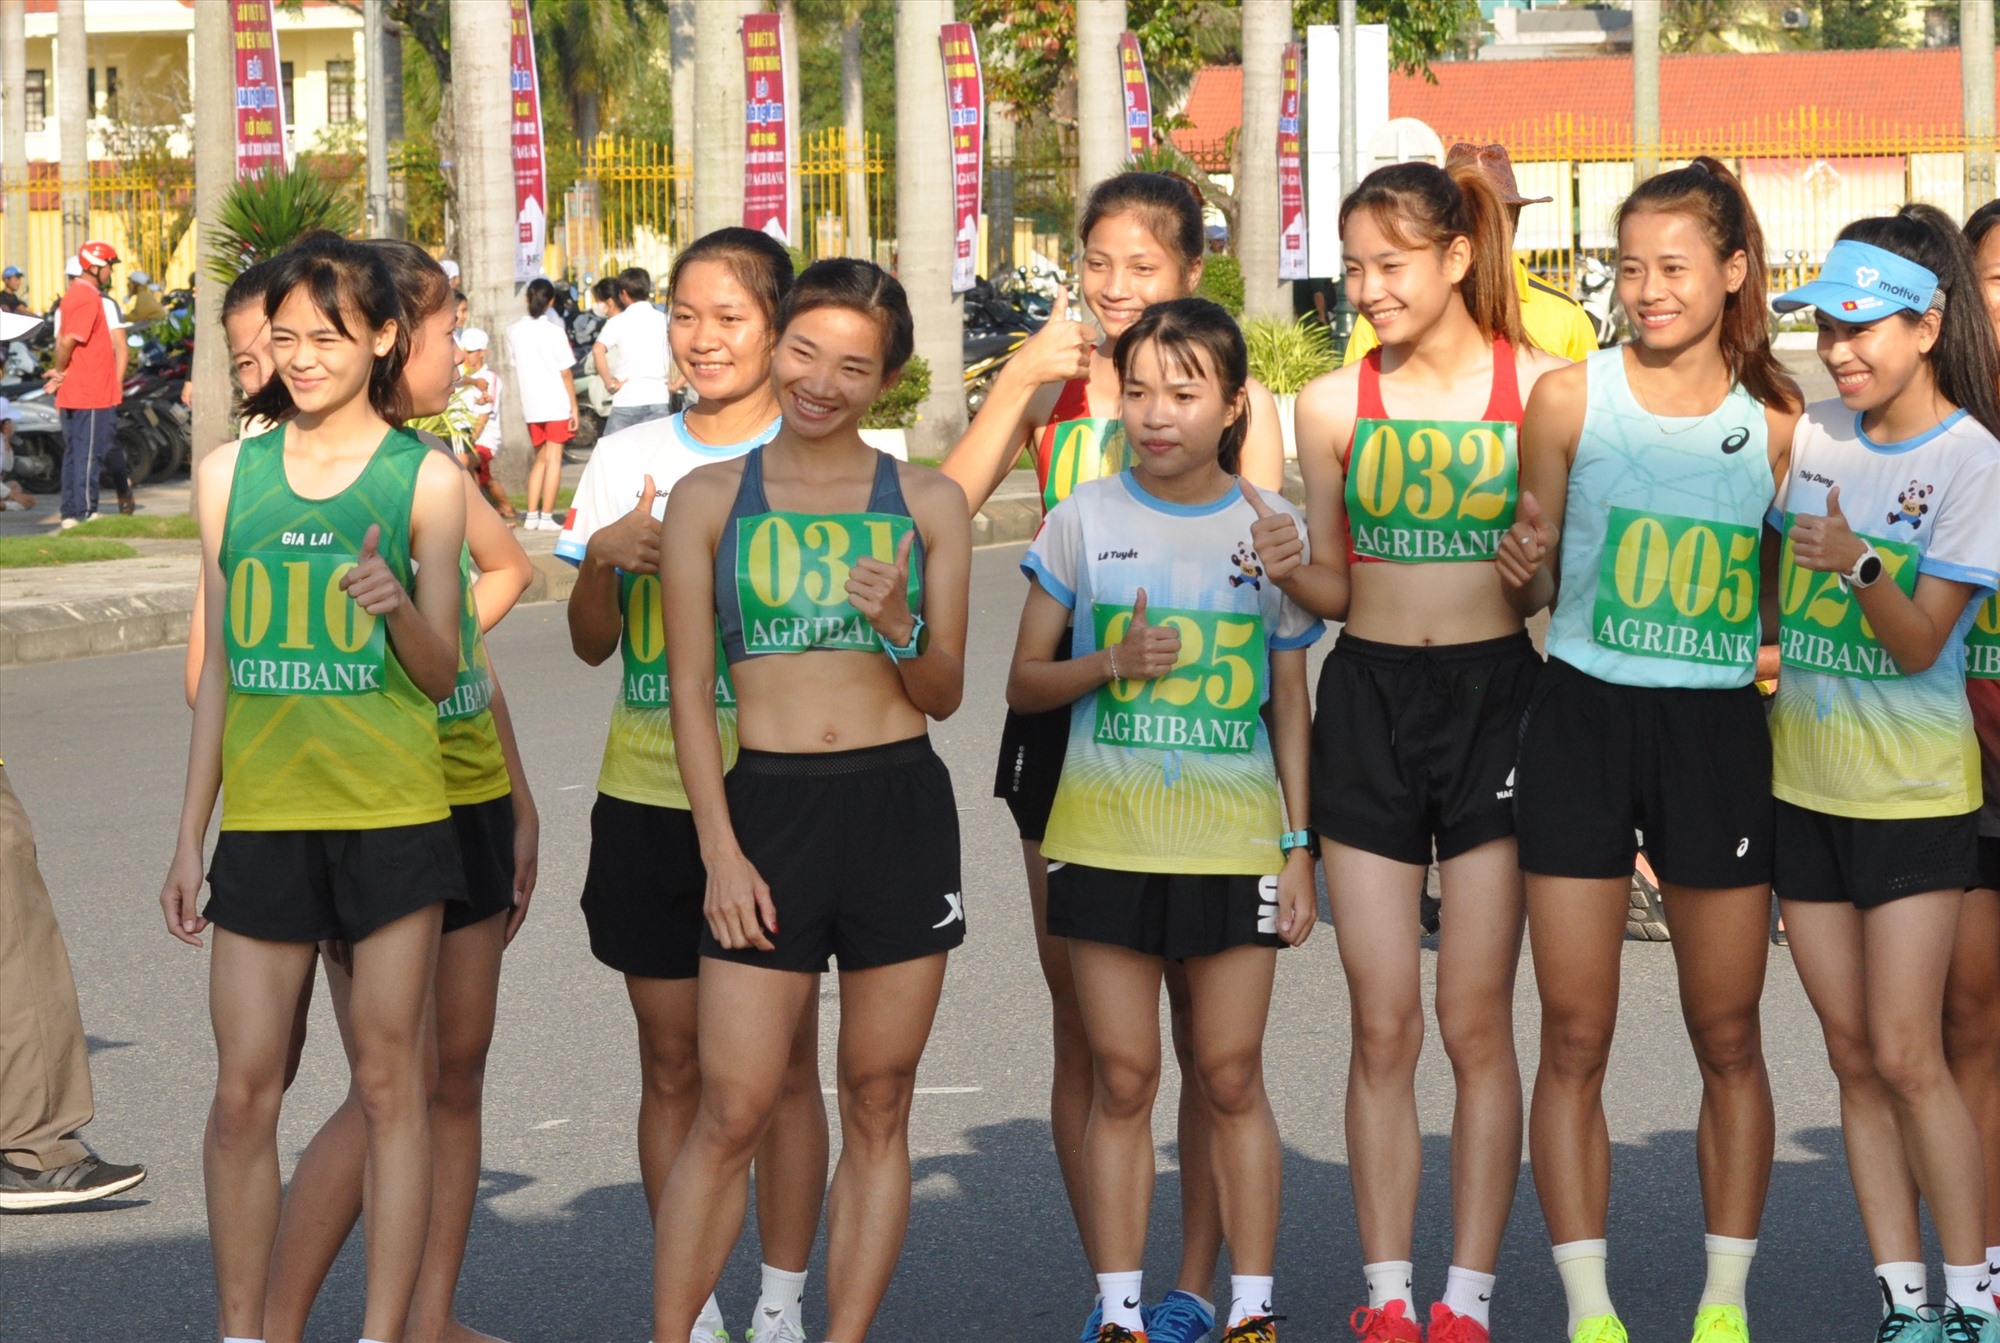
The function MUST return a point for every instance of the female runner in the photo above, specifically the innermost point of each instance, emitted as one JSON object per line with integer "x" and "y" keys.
{"x": 1178, "y": 830}
{"x": 1646, "y": 472}
{"x": 642, "y": 895}
{"x": 836, "y": 584}
{"x": 1891, "y": 519}
{"x": 1059, "y": 397}
{"x": 331, "y": 547}
{"x": 1411, "y": 460}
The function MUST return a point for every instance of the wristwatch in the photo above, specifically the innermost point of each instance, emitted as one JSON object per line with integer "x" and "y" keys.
{"x": 1293, "y": 840}
{"x": 905, "y": 652}
{"x": 1866, "y": 569}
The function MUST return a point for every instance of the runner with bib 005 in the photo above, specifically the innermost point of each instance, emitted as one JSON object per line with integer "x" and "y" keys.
{"x": 1891, "y": 517}
{"x": 1646, "y": 472}
{"x": 839, "y": 580}
{"x": 330, "y": 548}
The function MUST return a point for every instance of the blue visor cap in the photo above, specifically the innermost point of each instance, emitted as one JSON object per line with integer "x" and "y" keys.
{"x": 1861, "y": 283}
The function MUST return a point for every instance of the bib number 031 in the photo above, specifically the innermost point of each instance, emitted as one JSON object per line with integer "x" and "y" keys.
{"x": 791, "y": 578}
{"x": 291, "y": 630}
{"x": 1208, "y": 702}
{"x": 1820, "y": 624}
{"x": 1430, "y": 491}
{"x": 1681, "y": 588}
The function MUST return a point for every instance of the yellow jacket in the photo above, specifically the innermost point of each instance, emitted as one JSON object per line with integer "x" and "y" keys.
{"x": 1553, "y": 319}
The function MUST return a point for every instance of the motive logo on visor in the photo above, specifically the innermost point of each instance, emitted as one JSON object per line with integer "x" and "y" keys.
{"x": 1881, "y": 282}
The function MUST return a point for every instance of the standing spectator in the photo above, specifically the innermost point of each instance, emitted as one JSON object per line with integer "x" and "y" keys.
{"x": 12, "y": 282}
{"x": 461, "y": 311}
{"x": 86, "y": 384}
{"x": 482, "y": 397}
{"x": 44, "y": 1060}
{"x": 145, "y": 303}
{"x": 13, "y": 498}
{"x": 631, "y": 354}
{"x": 543, "y": 367}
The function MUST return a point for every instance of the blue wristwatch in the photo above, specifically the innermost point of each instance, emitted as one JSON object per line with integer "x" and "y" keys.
{"x": 1293, "y": 840}
{"x": 905, "y": 652}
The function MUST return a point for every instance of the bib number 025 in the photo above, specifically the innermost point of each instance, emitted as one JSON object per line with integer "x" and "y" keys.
{"x": 1426, "y": 491}
{"x": 791, "y": 578}
{"x": 1820, "y": 624}
{"x": 1680, "y": 588}
{"x": 291, "y": 630}
{"x": 1208, "y": 702}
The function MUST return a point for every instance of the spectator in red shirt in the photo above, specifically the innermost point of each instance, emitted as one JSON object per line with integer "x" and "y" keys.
{"x": 85, "y": 381}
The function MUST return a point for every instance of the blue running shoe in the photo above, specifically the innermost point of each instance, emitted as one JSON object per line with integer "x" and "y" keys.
{"x": 1961, "y": 1324}
{"x": 1092, "y": 1325}
{"x": 1906, "y": 1326}
{"x": 1180, "y": 1318}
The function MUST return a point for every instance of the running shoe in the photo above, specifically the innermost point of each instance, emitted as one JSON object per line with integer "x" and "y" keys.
{"x": 1721, "y": 1324}
{"x": 1600, "y": 1329}
{"x": 1390, "y": 1324}
{"x": 1904, "y": 1326}
{"x": 1092, "y": 1325}
{"x": 1962, "y": 1324}
{"x": 1179, "y": 1318}
{"x": 780, "y": 1330}
{"x": 1117, "y": 1333}
{"x": 24, "y": 1190}
{"x": 1448, "y": 1326}
{"x": 1254, "y": 1329}
{"x": 701, "y": 1335}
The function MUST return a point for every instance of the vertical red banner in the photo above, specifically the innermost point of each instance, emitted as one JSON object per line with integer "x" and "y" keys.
{"x": 1138, "y": 96}
{"x": 965, "y": 97}
{"x": 766, "y": 202}
{"x": 1291, "y": 184}
{"x": 260, "y": 111}
{"x": 531, "y": 184}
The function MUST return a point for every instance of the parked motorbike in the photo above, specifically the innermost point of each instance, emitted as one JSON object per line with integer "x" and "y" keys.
{"x": 995, "y": 327}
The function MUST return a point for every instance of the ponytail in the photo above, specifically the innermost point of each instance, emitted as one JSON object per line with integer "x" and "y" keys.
{"x": 1488, "y": 287}
{"x": 1423, "y": 205}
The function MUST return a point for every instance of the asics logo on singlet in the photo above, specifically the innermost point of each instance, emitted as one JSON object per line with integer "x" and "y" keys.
{"x": 1742, "y": 846}
{"x": 1118, "y": 554}
{"x": 1506, "y": 789}
{"x": 954, "y": 909}
{"x": 1267, "y": 905}
{"x": 1734, "y": 443}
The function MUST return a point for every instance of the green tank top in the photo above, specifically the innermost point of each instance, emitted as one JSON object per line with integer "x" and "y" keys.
{"x": 324, "y": 730}
{"x": 475, "y": 770}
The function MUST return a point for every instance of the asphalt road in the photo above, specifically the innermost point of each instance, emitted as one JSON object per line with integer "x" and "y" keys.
{"x": 560, "y": 1244}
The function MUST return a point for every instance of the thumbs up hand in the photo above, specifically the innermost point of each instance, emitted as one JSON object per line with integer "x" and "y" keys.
{"x": 1525, "y": 547}
{"x": 881, "y": 592}
{"x": 632, "y": 543}
{"x": 1274, "y": 536}
{"x": 1058, "y": 352}
{"x": 1825, "y": 543}
{"x": 370, "y": 584}
{"x": 1147, "y": 651}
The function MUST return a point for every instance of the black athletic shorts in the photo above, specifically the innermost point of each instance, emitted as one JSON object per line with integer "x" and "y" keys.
{"x": 313, "y": 885}
{"x": 1829, "y": 859}
{"x": 486, "y": 849}
{"x": 1690, "y": 770}
{"x": 860, "y": 850}
{"x": 642, "y": 893}
{"x": 1989, "y": 862}
{"x": 1413, "y": 747}
{"x": 1172, "y": 917}
{"x": 1032, "y": 749}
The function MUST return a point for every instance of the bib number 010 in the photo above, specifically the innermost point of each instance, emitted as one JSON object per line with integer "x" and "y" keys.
{"x": 290, "y": 629}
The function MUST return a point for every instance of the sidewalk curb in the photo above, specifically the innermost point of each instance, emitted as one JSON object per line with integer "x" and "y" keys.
{"x": 59, "y": 631}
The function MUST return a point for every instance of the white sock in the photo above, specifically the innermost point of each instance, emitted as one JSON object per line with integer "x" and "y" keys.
{"x": 1968, "y": 1286}
{"x": 710, "y": 1317}
{"x": 1391, "y": 1280}
{"x": 1728, "y": 1272}
{"x": 1122, "y": 1295}
{"x": 1904, "y": 1284}
{"x": 1470, "y": 1294}
{"x": 1581, "y": 1264}
{"x": 1248, "y": 1296}
{"x": 783, "y": 1293}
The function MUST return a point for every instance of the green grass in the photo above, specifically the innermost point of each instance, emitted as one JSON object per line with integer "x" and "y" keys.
{"x": 34, "y": 552}
{"x": 171, "y": 527}
{"x": 563, "y": 496}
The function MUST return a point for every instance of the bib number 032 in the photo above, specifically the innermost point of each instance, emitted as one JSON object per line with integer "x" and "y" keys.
{"x": 791, "y": 578}
{"x": 1820, "y": 624}
{"x": 1680, "y": 588}
{"x": 1208, "y": 702}
{"x": 291, "y": 630}
{"x": 1429, "y": 491}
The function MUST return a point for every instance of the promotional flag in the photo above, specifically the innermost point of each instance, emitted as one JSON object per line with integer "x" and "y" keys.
{"x": 1291, "y": 183}
{"x": 1138, "y": 97}
{"x": 531, "y": 186}
{"x": 766, "y": 201}
{"x": 260, "y": 113}
{"x": 965, "y": 98}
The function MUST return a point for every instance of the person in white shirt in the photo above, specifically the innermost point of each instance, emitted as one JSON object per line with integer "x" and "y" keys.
{"x": 482, "y": 387}
{"x": 631, "y": 355}
{"x": 543, "y": 361}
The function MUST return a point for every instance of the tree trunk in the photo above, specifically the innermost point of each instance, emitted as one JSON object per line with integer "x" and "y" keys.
{"x": 924, "y": 227}
{"x": 680, "y": 49}
{"x": 214, "y": 61}
{"x": 718, "y": 113}
{"x": 788, "y": 43}
{"x": 1975, "y": 55}
{"x": 854, "y": 122}
{"x": 1267, "y": 26}
{"x": 1000, "y": 158}
{"x": 14, "y": 136}
{"x": 481, "y": 85}
{"x": 1101, "y": 142}
{"x": 73, "y": 122}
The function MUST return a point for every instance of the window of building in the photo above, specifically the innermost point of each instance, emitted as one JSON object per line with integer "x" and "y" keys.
{"x": 339, "y": 92}
{"x": 36, "y": 102}
{"x": 109, "y": 107}
{"x": 285, "y": 92}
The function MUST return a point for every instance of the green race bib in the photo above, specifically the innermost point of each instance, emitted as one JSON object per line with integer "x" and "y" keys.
{"x": 1431, "y": 491}
{"x": 1820, "y": 625}
{"x": 1081, "y": 450}
{"x": 291, "y": 630}
{"x": 1982, "y": 642}
{"x": 643, "y": 648}
{"x": 1208, "y": 702}
{"x": 1674, "y": 587}
{"x": 791, "y": 578}
{"x": 472, "y": 694}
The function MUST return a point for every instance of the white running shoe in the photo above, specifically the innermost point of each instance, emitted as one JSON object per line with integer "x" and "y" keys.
{"x": 780, "y": 1330}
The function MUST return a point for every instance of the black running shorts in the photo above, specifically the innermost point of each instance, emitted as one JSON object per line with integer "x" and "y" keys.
{"x": 1989, "y": 862}
{"x": 1688, "y": 769}
{"x": 1032, "y": 749}
{"x": 486, "y": 849}
{"x": 312, "y": 885}
{"x": 1413, "y": 747}
{"x": 860, "y": 850}
{"x": 1828, "y": 859}
{"x": 642, "y": 893}
{"x": 1172, "y": 917}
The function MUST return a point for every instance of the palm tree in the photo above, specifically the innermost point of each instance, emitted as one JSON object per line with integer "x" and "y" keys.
{"x": 718, "y": 113}
{"x": 1267, "y": 26}
{"x": 73, "y": 122}
{"x": 1101, "y": 144}
{"x": 214, "y": 172}
{"x": 860, "y": 235}
{"x": 924, "y": 231}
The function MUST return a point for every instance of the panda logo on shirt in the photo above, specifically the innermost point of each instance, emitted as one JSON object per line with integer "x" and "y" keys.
{"x": 1911, "y": 505}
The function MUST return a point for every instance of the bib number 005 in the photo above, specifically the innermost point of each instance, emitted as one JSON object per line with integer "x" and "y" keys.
{"x": 791, "y": 578}
{"x": 1982, "y": 642}
{"x": 1208, "y": 702}
{"x": 1820, "y": 624}
{"x": 643, "y": 648}
{"x": 1681, "y": 588}
{"x": 291, "y": 630}
{"x": 1430, "y": 491}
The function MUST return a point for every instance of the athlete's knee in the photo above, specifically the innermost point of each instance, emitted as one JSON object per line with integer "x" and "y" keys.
{"x": 1233, "y": 1081}
{"x": 1576, "y": 1045}
{"x": 732, "y": 1119}
{"x": 461, "y": 1081}
{"x": 875, "y": 1110}
{"x": 669, "y": 1068}
{"x": 1387, "y": 1041}
{"x": 1478, "y": 1034}
{"x": 1909, "y": 1062}
{"x": 1729, "y": 1047}
{"x": 1126, "y": 1087}
{"x": 246, "y": 1108}
{"x": 1972, "y": 1020}
{"x": 1851, "y": 1057}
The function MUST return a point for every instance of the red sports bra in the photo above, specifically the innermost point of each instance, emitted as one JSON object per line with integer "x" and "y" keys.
{"x": 1503, "y": 404}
